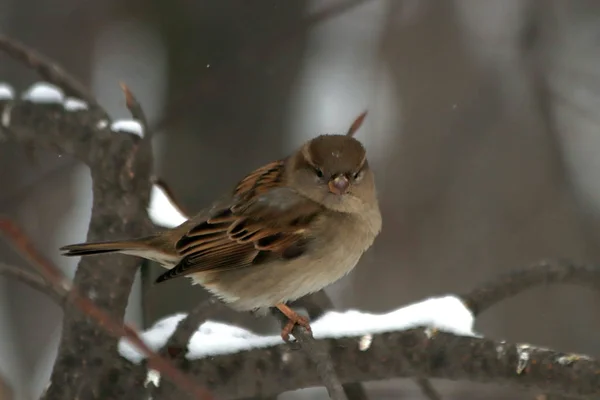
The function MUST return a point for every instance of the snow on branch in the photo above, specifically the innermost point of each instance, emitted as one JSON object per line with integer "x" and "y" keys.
{"x": 399, "y": 354}
{"x": 433, "y": 338}
{"x": 447, "y": 314}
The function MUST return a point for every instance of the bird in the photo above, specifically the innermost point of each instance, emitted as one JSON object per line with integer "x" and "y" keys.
{"x": 288, "y": 229}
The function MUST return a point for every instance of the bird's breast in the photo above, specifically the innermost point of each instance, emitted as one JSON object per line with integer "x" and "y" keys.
{"x": 340, "y": 242}
{"x": 337, "y": 243}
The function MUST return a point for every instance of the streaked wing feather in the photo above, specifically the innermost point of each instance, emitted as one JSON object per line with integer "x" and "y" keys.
{"x": 261, "y": 180}
{"x": 265, "y": 220}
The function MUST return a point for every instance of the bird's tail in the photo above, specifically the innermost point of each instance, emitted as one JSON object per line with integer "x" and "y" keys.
{"x": 135, "y": 246}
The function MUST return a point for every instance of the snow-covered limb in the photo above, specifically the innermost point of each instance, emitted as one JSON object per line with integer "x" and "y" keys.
{"x": 213, "y": 338}
{"x": 71, "y": 131}
{"x": 47, "y": 70}
{"x": 423, "y": 352}
{"x": 448, "y": 314}
{"x": 399, "y": 354}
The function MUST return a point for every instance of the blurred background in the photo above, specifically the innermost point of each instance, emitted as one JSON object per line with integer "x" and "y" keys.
{"x": 482, "y": 130}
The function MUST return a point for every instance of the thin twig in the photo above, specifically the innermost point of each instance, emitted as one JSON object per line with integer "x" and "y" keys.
{"x": 34, "y": 281}
{"x": 136, "y": 110}
{"x": 319, "y": 355}
{"x": 317, "y": 304}
{"x": 138, "y": 114}
{"x": 180, "y": 339}
{"x": 356, "y": 124}
{"x": 47, "y": 69}
{"x": 60, "y": 282}
{"x": 515, "y": 282}
{"x": 177, "y": 345}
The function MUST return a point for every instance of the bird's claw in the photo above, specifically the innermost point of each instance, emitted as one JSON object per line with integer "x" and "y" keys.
{"x": 292, "y": 322}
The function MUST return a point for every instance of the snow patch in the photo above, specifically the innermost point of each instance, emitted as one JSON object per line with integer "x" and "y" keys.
{"x": 128, "y": 126}
{"x": 43, "y": 92}
{"x": 162, "y": 210}
{"x": 6, "y": 92}
{"x": 101, "y": 124}
{"x": 73, "y": 104}
{"x": 448, "y": 314}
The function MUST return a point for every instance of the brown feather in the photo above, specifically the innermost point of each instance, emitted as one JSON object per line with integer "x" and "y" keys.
{"x": 264, "y": 220}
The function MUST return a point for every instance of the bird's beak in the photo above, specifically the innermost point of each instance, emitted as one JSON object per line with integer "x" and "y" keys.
{"x": 339, "y": 184}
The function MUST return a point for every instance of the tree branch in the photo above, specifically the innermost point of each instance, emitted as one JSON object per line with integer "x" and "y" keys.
{"x": 277, "y": 369}
{"x": 319, "y": 355}
{"x": 34, "y": 281}
{"x": 47, "y": 69}
{"x": 60, "y": 285}
{"x": 179, "y": 341}
{"x": 419, "y": 353}
{"x": 316, "y": 304}
{"x": 542, "y": 273}
{"x": 121, "y": 184}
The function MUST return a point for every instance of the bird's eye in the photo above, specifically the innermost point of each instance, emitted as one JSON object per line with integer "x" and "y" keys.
{"x": 358, "y": 175}
{"x": 318, "y": 172}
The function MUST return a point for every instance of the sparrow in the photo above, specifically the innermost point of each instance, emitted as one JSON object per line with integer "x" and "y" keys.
{"x": 288, "y": 229}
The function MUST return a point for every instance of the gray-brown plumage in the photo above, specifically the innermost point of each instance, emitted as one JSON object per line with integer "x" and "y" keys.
{"x": 289, "y": 228}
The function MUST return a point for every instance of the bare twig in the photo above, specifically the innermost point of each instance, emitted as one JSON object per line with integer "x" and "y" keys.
{"x": 47, "y": 69}
{"x": 319, "y": 357}
{"x": 136, "y": 110}
{"x": 515, "y": 282}
{"x": 134, "y": 106}
{"x": 316, "y": 304}
{"x": 34, "y": 281}
{"x": 177, "y": 345}
{"x": 180, "y": 339}
{"x": 60, "y": 284}
{"x": 138, "y": 114}
{"x": 356, "y": 124}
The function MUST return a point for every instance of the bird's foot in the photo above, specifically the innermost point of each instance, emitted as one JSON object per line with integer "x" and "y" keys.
{"x": 287, "y": 329}
{"x": 293, "y": 319}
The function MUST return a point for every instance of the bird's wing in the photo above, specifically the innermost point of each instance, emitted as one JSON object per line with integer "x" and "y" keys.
{"x": 264, "y": 220}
